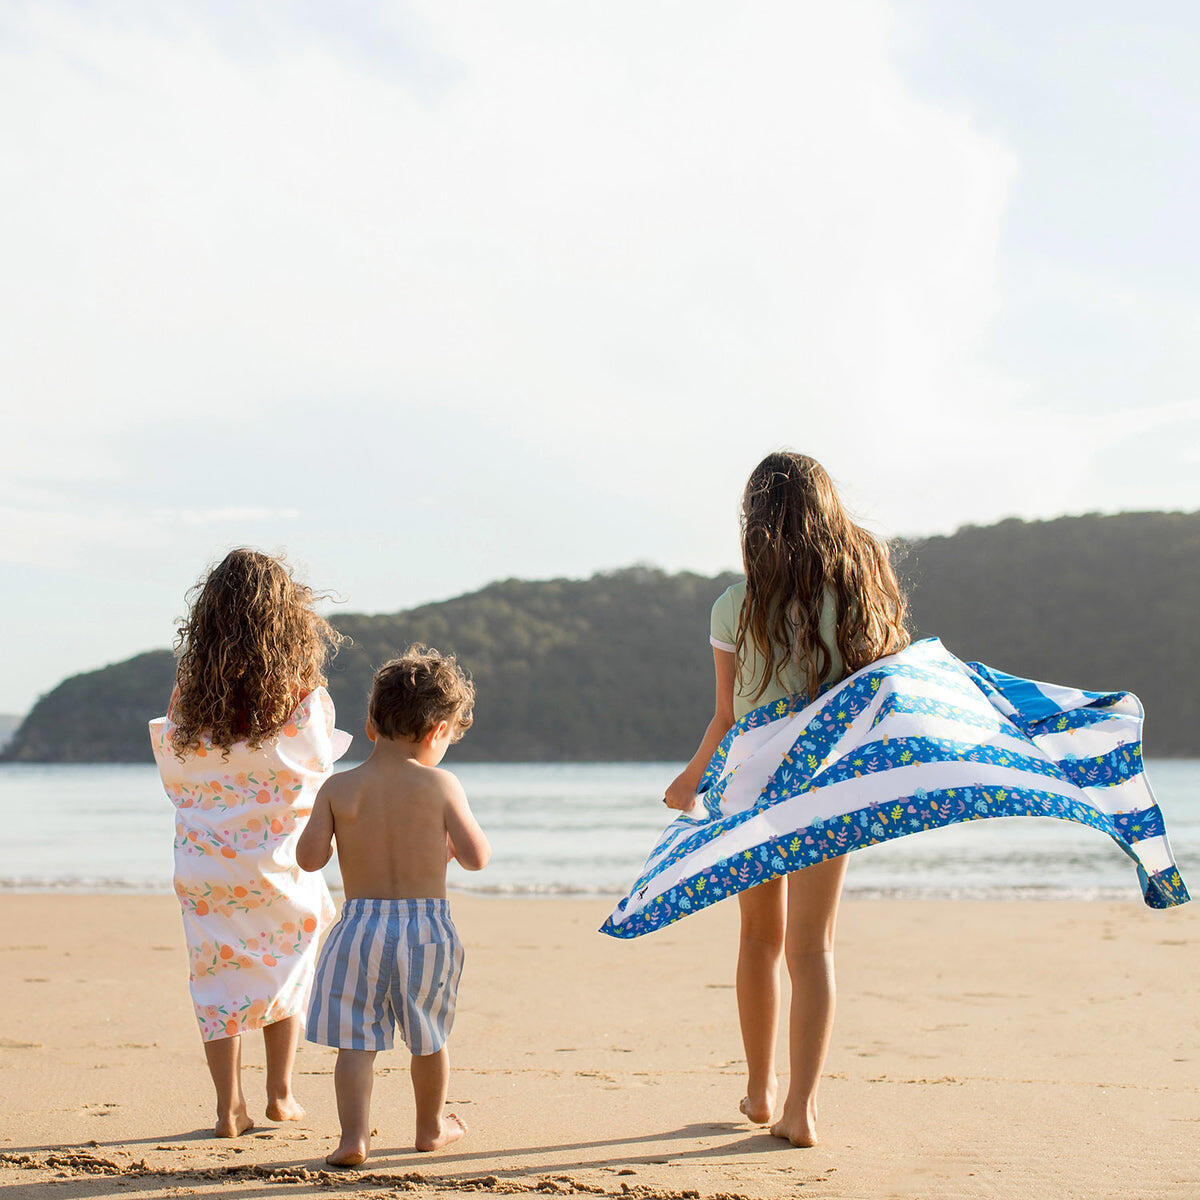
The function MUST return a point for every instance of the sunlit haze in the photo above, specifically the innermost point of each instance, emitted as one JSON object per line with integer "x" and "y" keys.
{"x": 438, "y": 293}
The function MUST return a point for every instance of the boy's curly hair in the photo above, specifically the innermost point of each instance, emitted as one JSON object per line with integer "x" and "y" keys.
{"x": 412, "y": 694}
{"x": 250, "y": 649}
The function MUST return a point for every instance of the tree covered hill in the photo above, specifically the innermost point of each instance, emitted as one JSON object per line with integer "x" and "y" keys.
{"x": 8, "y": 726}
{"x": 1105, "y": 603}
{"x": 617, "y": 667}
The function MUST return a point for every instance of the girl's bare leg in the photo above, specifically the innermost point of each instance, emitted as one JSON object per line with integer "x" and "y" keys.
{"x": 353, "y": 1078}
{"x": 431, "y": 1078}
{"x": 812, "y": 903}
{"x": 760, "y": 948}
{"x": 225, "y": 1066}
{"x": 281, "y": 1039}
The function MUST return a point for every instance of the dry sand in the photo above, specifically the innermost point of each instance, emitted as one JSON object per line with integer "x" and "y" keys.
{"x": 981, "y": 1050}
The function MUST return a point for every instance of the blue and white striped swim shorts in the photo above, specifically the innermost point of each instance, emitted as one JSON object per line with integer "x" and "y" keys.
{"x": 387, "y": 962}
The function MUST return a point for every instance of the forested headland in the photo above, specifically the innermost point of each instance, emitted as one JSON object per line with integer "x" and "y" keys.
{"x": 618, "y": 667}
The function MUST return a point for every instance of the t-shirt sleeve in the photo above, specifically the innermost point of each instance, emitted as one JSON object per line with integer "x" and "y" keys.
{"x": 722, "y": 630}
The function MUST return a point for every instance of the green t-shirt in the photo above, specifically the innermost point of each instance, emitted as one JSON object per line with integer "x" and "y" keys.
{"x": 723, "y": 635}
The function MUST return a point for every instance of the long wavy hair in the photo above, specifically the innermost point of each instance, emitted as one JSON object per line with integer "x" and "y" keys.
{"x": 250, "y": 649}
{"x": 798, "y": 542}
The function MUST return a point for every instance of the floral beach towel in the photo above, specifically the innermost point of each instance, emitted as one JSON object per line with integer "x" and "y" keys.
{"x": 251, "y": 917}
{"x": 912, "y": 742}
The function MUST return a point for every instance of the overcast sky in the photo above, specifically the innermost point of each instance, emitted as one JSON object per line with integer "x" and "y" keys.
{"x": 437, "y": 293}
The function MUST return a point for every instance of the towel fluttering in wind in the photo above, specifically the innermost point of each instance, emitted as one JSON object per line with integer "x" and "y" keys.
{"x": 914, "y": 741}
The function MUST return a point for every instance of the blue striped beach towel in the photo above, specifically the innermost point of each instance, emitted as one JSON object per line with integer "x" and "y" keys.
{"x": 912, "y": 742}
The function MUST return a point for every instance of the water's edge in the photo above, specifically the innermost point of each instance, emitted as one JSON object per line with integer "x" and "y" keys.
{"x": 579, "y": 830}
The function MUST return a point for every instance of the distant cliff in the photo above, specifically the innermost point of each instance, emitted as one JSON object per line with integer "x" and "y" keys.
{"x": 1099, "y": 602}
{"x": 99, "y": 716}
{"x": 8, "y": 726}
{"x": 617, "y": 667}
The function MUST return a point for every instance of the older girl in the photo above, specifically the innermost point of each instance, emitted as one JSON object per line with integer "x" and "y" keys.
{"x": 247, "y": 740}
{"x": 819, "y": 601}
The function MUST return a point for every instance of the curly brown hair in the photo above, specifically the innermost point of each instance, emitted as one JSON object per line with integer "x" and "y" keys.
{"x": 798, "y": 542}
{"x": 250, "y": 649}
{"x": 414, "y": 693}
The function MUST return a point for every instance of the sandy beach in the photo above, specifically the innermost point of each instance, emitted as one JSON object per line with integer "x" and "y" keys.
{"x": 1021, "y": 1049}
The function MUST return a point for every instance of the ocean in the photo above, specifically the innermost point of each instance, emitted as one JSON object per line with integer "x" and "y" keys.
{"x": 560, "y": 829}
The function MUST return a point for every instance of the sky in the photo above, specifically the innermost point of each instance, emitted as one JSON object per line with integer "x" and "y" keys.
{"x": 431, "y": 294}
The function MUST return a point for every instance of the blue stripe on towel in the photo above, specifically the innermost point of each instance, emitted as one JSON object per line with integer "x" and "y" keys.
{"x": 940, "y": 741}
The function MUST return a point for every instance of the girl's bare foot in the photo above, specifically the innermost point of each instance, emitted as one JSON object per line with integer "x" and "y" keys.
{"x": 450, "y": 1129}
{"x": 800, "y": 1131}
{"x": 233, "y": 1123}
{"x": 284, "y": 1109}
{"x": 350, "y": 1153}
{"x": 757, "y": 1107}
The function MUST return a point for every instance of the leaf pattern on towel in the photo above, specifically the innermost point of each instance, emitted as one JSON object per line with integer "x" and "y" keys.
{"x": 943, "y": 741}
{"x": 251, "y": 917}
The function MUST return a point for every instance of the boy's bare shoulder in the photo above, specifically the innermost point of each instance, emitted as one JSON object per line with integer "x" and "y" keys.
{"x": 340, "y": 784}
{"x": 443, "y": 783}
{"x": 341, "y": 779}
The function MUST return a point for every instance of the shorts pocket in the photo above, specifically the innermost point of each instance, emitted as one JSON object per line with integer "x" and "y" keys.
{"x": 431, "y": 994}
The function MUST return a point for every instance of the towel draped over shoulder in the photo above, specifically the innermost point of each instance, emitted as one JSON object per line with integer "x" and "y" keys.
{"x": 251, "y": 917}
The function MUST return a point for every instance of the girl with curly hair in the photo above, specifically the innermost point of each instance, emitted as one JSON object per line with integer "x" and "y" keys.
{"x": 819, "y": 601}
{"x": 247, "y": 740}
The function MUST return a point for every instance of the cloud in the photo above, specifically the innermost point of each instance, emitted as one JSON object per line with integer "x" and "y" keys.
{"x": 476, "y": 290}
{"x": 608, "y": 218}
{"x": 223, "y": 516}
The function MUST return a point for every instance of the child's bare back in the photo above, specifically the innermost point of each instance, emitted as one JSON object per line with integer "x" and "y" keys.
{"x": 392, "y": 817}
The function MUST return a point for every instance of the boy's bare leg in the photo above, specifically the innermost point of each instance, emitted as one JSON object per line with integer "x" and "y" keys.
{"x": 431, "y": 1078}
{"x": 353, "y": 1078}
{"x": 281, "y": 1039}
{"x": 812, "y": 904}
{"x": 760, "y": 948}
{"x": 225, "y": 1066}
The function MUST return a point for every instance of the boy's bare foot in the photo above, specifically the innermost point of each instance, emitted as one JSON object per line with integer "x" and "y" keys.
{"x": 450, "y": 1129}
{"x": 349, "y": 1154}
{"x": 758, "y": 1108}
{"x": 234, "y": 1123}
{"x": 800, "y": 1131}
{"x": 285, "y": 1109}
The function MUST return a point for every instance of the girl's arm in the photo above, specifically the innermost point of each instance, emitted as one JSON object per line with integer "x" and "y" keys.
{"x": 681, "y": 794}
{"x": 315, "y": 847}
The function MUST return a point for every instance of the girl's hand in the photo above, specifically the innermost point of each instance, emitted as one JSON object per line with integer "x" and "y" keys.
{"x": 681, "y": 794}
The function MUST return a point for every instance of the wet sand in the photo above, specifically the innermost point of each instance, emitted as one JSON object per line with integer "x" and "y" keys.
{"x": 1024, "y": 1049}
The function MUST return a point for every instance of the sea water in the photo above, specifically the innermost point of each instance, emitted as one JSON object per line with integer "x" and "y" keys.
{"x": 574, "y": 829}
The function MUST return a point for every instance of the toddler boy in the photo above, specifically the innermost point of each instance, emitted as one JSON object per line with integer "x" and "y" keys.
{"x": 394, "y": 957}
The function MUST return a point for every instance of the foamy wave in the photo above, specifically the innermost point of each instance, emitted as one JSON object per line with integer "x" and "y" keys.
{"x": 998, "y": 892}
{"x": 81, "y": 883}
{"x": 103, "y": 885}
{"x": 537, "y": 889}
